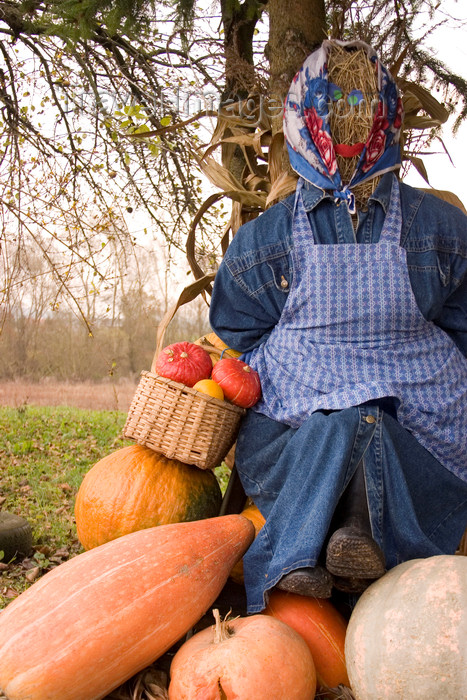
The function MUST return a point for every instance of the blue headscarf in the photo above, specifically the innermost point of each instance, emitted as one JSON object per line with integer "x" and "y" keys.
{"x": 311, "y": 149}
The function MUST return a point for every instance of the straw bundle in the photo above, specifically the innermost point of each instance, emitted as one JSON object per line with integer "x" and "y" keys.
{"x": 350, "y": 124}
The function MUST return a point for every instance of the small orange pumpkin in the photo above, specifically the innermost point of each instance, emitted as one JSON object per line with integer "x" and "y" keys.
{"x": 135, "y": 488}
{"x": 321, "y": 626}
{"x": 253, "y": 514}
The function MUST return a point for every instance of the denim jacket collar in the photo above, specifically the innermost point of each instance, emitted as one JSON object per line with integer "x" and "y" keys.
{"x": 382, "y": 193}
{"x": 313, "y": 195}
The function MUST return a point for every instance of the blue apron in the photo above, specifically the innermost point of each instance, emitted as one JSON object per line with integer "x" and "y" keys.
{"x": 351, "y": 332}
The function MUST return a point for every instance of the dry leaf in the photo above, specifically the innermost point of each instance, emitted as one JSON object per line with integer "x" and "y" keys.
{"x": 43, "y": 549}
{"x": 276, "y": 152}
{"x": 429, "y": 103}
{"x": 452, "y": 199}
{"x": 421, "y": 122}
{"x": 10, "y": 593}
{"x": 32, "y": 574}
{"x": 419, "y": 166}
{"x": 149, "y": 684}
{"x": 341, "y": 692}
{"x": 282, "y": 187}
{"x": 412, "y": 104}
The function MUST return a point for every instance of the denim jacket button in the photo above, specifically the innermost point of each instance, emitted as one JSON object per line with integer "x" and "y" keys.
{"x": 370, "y": 419}
{"x": 284, "y": 283}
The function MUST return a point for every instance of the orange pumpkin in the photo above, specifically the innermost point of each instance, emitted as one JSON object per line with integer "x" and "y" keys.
{"x": 184, "y": 362}
{"x": 135, "y": 488}
{"x": 252, "y": 513}
{"x": 91, "y": 623}
{"x": 407, "y": 635}
{"x": 253, "y": 658}
{"x": 239, "y": 382}
{"x": 321, "y": 626}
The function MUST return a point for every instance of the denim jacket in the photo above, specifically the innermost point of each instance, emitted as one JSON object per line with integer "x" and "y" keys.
{"x": 253, "y": 280}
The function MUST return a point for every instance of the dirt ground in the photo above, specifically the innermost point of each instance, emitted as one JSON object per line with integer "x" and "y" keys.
{"x": 108, "y": 396}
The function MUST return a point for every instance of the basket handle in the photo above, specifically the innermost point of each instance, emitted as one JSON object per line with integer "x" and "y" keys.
{"x": 187, "y": 294}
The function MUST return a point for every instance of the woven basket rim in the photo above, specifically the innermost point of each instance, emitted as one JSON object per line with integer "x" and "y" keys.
{"x": 221, "y": 403}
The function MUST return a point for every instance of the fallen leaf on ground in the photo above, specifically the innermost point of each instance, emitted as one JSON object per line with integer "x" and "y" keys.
{"x": 10, "y": 593}
{"x": 32, "y": 574}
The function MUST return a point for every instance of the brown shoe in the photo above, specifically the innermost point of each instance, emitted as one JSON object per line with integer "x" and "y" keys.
{"x": 352, "y": 553}
{"x": 314, "y": 582}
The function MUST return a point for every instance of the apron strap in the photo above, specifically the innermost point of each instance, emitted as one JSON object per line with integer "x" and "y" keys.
{"x": 301, "y": 227}
{"x": 392, "y": 226}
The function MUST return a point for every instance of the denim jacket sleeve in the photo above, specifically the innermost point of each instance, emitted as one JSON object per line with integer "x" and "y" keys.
{"x": 252, "y": 282}
{"x": 435, "y": 237}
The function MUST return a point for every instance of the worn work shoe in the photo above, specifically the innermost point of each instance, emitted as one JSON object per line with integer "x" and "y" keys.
{"x": 352, "y": 553}
{"x": 313, "y": 582}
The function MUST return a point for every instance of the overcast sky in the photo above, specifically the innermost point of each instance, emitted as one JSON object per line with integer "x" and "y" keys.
{"x": 451, "y": 46}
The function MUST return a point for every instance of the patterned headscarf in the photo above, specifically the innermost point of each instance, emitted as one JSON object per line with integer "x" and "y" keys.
{"x": 312, "y": 152}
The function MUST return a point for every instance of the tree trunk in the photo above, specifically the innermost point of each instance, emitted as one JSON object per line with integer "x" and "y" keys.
{"x": 239, "y": 20}
{"x": 296, "y": 28}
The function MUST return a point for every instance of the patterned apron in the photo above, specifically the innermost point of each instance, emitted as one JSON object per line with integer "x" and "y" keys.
{"x": 351, "y": 332}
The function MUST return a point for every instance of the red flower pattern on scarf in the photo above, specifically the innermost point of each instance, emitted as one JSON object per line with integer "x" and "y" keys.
{"x": 376, "y": 142}
{"x": 321, "y": 139}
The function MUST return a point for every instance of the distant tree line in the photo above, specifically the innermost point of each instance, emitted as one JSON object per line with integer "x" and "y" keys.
{"x": 58, "y": 346}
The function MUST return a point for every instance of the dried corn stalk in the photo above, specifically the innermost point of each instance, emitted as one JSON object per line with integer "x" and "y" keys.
{"x": 149, "y": 684}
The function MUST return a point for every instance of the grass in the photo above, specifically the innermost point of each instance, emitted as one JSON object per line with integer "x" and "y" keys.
{"x": 44, "y": 455}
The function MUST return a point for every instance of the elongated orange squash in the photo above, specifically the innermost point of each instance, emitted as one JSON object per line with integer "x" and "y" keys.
{"x": 322, "y": 627}
{"x": 94, "y": 621}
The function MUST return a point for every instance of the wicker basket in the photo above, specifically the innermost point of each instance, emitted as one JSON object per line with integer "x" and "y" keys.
{"x": 176, "y": 420}
{"x": 181, "y": 423}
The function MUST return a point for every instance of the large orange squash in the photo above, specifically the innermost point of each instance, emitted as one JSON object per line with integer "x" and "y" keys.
{"x": 321, "y": 626}
{"x": 407, "y": 635}
{"x": 96, "y": 620}
{"x": 135, "y": 488}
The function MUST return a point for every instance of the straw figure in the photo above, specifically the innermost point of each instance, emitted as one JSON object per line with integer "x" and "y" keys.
{"x": 349, "y": 298}
{"x": 352, "y": 122}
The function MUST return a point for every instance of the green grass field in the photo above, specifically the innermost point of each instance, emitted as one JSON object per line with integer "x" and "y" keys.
{"x": 44, "y": 455}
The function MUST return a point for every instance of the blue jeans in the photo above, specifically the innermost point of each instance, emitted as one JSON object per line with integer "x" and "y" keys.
{"x": 297, "y": 476}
